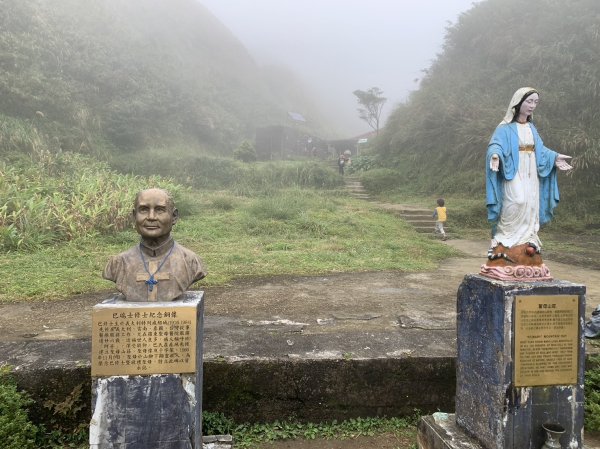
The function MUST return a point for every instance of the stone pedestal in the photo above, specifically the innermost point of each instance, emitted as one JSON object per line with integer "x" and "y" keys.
{"x": 440, "y": 431}
{"x": 520, "y": 363}
{"x": 138, "y": 401}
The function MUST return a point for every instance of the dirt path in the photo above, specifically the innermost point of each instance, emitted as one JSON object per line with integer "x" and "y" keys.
{"x": 355, "y": 301}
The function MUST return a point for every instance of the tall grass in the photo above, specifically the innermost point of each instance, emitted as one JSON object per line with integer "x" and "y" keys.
{"x": 47, "y": 198}
{"x": 19, "y": 135}
{"x": 215, "y": 173}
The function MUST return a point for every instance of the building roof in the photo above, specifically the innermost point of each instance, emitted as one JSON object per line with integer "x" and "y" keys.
{"x": 296, "y": 116}
{"x": 369, "y": 135}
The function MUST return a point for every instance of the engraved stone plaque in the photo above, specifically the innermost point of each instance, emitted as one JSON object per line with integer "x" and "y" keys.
{"x": 143, "y": 338}
{"x": 546, "y": 340}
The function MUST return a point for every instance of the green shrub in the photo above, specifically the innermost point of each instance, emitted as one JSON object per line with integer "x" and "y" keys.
{"x": 280, "y": 207}
{"x": 380, "y": 180}
{"x": 223, "y": 202}
{"x": 279, "y": 175}
{"x": 245, "y": 152}
{"x": 316, "y": 175}
{"x": 16, "y": 431}
{"x": 256, "y": 435}
{"x": 592, "y": 395}
{"x": 214, "y": 423}
{"x": 362, "y": 163}
{"x": 18, "y": 135}
{"x": 464, "y": 182}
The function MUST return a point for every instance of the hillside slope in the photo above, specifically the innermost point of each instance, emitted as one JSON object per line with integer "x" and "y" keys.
{"x": 124, "y": 75}
{"x": 438, "y": 138}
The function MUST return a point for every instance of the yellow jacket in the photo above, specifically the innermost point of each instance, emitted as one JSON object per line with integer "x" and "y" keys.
{"x": 440, "y": 213}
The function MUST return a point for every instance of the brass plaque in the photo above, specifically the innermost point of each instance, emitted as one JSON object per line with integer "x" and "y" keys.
{"x": 133, "y": 340}
{"x": 546, "y": 340}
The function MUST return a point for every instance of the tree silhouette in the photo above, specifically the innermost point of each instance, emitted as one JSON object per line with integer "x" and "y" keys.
{"x": 371, "y": 102}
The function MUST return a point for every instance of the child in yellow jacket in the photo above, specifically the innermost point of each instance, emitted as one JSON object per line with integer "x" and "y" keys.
{"x": 440, "y": 215}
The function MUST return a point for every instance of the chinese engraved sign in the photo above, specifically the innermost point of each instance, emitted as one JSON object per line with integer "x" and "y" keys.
{"x": 546, "y": 340}
{"x": 143, "y": 340}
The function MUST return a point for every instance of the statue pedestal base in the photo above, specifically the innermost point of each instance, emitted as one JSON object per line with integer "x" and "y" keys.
{"x": 520, "y": 362}
{"x": 147, "y": 374}
{"x": 144, "y": 412}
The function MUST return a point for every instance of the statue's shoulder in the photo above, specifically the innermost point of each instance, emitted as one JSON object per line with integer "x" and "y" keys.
{"x": 131, "y": 252}
{"x": 500, "y": 133}
{"x": 186, "y": 252}
{"x": 505, "y": 132}
{"x": 125, "y": 256}
{"x": 504, "y": 127}
{"x": 192, "y": 261}
{"x": 118, "y": 263}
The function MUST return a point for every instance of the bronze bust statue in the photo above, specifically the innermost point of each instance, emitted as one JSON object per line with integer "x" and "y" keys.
{"x": 157, "y": 269}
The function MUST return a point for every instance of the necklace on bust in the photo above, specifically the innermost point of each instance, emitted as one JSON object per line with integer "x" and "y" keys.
{"x": 152, "y": 281}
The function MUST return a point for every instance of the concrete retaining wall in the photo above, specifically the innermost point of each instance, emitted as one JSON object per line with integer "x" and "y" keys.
{"x": 321, "y": 390}
{"x": 57, "y": 376}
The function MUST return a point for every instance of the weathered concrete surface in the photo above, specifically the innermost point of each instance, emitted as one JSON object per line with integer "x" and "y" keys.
{"x": 322, "y": 390}
{"x": 256, "y": 389}
{"x": 440, "y": 431}
{"x": 156, "y": 411}
{"x": 53, "y": 373}
{"x": 488, "y": 405}
{"x": 319, "y": 332}
{"x": 143, "y": 412}
{"x": 217, "y": 442}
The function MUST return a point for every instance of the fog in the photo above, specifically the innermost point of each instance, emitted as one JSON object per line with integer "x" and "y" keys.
{"x": 337, "y": 46}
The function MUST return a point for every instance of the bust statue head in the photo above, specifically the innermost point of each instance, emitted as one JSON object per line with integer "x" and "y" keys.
{"x": 155, "y": 214}
{"x": 157, "y": 268}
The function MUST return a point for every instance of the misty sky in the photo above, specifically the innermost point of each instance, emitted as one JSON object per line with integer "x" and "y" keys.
{"x": 338, "y": 46}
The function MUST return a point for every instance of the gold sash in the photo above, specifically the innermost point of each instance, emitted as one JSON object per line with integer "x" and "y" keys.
{"x": 527, "y": 148}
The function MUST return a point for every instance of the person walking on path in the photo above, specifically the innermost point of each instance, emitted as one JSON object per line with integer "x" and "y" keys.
{"x": 439, "y": 214}
{"x": 341, "y": 163}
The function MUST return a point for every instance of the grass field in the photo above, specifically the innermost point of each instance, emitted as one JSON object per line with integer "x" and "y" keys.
{"x": 289, "y": 232}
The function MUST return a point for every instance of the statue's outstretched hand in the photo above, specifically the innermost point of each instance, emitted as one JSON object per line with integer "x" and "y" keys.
{"x": 561, "y": 162}
{"x": 495, "y": 163}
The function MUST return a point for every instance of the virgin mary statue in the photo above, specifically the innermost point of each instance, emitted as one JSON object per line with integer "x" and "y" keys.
{"x": 521, "y": 192}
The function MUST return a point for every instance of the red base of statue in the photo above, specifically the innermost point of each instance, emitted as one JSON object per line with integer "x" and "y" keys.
{"x": 519, "y": 263}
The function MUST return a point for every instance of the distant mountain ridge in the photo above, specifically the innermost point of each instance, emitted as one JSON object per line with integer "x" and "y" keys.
{"x": 129, "y": 74}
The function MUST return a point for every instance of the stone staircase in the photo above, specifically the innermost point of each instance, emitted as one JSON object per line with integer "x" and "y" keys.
{"x": 421, "y": 219}
{"x": 355, "y": 188}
